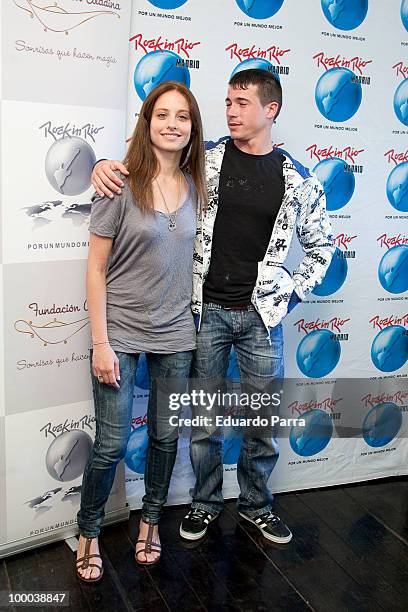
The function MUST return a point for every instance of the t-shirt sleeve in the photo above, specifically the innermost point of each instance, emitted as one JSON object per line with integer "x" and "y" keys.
{"x": 106, "y": 214}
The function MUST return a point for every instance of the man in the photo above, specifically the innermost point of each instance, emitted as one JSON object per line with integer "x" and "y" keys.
{"x": 241, "y": 290}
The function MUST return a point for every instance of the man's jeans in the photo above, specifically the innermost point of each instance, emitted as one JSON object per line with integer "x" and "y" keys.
{"x": 260, "y": 362}
{"x": 113, "y": 412}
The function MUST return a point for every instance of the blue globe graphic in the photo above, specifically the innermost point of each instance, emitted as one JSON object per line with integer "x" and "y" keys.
{"x": 258, "y": 64}
{"x": 382, "y": 424}
{"x": 314, "y": 436}
{"x": 167, "y": 4}
{"x": 389, "y": 350}
{"x": 211, "y": 144}
{"x": 404, "y": 13}
{"x": 136, "y": 451}
{"x": 397, "y": 187}
{"x": 233, "y": 370}
{"x": 335, "y": 275}
{"x": 401, "y": 102}
{"x": 260, "y": 9}
{"x": 318, "y": 353}
{"x": 142, "y": 378}
{"x": 345, "y": 14}
{"x": 393, "y": 269}
{"x": 231, "y": 447}
{"x": 338, "y": 184}
{"x": 157, "y": 67}
{"x": 337, "y": 97}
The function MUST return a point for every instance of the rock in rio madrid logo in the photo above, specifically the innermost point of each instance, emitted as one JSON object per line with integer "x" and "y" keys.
{"x": 335, "y": 170}
{"x": 401, "y": 93}
{"x": 389, "y": 350}
{"x": 256, "y": 57}
{"x": 393, "y": 267}
{"x": 397, "y": 182}
{"x": 164, "y": 60}
{"x": 319, "y": 350}
{"x": 338, "y": 91}
{"x": 336, "y": 273}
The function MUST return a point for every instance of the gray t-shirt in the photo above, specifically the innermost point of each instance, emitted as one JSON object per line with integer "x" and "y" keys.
{"x": 149, "y": 276}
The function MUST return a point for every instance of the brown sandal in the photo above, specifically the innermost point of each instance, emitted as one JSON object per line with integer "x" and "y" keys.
{"x": 149, "y": 547}
{"x": 86, "y": 564}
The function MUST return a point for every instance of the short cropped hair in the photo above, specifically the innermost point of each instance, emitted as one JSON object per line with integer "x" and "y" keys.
{"x": 269, "y": 88}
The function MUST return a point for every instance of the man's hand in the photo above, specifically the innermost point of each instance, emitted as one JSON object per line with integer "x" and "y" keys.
{"x": 104, "y": 179}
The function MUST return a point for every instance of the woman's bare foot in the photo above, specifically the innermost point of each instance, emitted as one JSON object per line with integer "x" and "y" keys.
{"x": 144, "y": 557}
{"x": 90, "y": 573}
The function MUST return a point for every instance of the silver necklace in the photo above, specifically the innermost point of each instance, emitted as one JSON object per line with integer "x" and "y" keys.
{"x": 171, "y": 226}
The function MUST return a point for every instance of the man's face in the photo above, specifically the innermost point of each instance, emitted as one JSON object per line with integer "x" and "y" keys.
{"x": 246, "y": 117}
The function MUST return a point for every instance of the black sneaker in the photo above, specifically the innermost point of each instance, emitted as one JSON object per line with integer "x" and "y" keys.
{"x": 271, "y": 526}
{"x": 194, "y": 525}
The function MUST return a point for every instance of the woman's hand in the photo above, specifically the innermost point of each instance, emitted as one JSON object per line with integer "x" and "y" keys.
{"x": 105, "y": 365}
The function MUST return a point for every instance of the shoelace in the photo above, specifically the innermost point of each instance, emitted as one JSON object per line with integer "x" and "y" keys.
{"x": 196, "y": 514}
{"x": 270, "y": 517}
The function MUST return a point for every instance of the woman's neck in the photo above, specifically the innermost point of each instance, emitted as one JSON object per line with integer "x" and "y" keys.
{"x": 169, "y": 163}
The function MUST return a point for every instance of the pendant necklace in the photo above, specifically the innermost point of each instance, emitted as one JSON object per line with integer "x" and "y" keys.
{"x": 172, "y": 216}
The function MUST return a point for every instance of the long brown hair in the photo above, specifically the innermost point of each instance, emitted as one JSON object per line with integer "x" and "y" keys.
{"x": 141, "y": 160}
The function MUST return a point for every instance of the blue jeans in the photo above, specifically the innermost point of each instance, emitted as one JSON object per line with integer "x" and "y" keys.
{"x": 113, "y": 412}
{"x": 260, "y": 362}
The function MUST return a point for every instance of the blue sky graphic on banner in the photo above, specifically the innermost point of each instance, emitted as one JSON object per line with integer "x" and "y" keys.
{"x": 260, "y": 9}
{"x": 311, "y": 438}
{"x": 142, "y": 379}
{"x": 135, "y": 457}
{"x": 157, "y": 67}
{"x": 382, "y": 424}
{"x": 393, "y": 269}
{"x": 335, "y": 275}
{"x": 167, "y": 4}
{"x": 397, "y": 187}
{"x": 318, "y": 353}
{"x": 401, "y": 102}
{"x": 404, "y": 13}
{"x": 258, "y": 64}
{"x": 389, "y": 350}
{"x": 345, "y": 14}
{"x": 231, "y": 446}
{"x": 338, "y": 94}
{"x": 338, "y": 182}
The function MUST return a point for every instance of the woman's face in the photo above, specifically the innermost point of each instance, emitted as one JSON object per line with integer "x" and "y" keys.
{"x": 170, "y": 125}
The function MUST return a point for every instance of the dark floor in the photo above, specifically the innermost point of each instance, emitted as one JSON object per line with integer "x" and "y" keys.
{"x": 349, "y": 552}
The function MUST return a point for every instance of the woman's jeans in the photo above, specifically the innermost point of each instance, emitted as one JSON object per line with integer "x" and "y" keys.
{"x": 113, "y": 412}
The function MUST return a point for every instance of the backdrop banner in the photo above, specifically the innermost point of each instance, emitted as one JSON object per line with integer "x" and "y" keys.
{"x": 58, "y": 63}
{"x": 345, "y": 116}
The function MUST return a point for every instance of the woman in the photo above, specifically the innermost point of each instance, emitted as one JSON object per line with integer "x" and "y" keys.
{"x": 139, "y": 283}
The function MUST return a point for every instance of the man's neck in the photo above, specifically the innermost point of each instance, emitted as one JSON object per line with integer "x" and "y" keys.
{"x": 255, "y": 146}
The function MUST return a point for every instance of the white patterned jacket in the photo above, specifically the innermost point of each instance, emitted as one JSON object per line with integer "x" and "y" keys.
{"x": 304, "y": 208}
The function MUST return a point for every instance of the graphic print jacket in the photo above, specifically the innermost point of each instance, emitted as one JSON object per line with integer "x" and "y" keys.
{"x": 304, "y": 208}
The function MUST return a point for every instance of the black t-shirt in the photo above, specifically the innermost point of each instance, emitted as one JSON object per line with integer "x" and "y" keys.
{"x": 251, "y": 189}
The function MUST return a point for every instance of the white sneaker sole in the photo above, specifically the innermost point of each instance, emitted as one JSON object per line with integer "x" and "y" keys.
{"x": 272, "y": 538}
{"x": 195, "y": 536}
